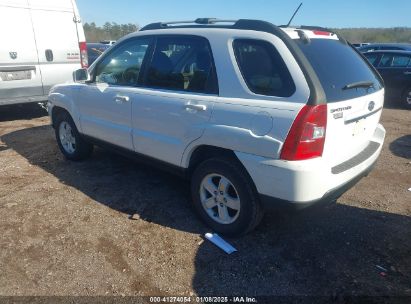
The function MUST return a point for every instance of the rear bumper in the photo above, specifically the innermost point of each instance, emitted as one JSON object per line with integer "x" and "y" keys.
{"x": 328, "y": 198}
{"x": 304, "y": 183}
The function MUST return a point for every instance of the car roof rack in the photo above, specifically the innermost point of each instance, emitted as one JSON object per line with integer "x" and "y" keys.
{"x": 196, "y": 22}
{"x": 240, "y": 24}
{"x": 243, "y": 24}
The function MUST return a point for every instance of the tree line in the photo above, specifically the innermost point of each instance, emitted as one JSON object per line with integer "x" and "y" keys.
{"x": 357, "y": 35}
{"x": 114, "y": 31}
{"x": 109, "y": 31}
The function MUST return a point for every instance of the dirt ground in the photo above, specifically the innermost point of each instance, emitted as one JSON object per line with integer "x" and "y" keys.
{"x": 66, "y": 228}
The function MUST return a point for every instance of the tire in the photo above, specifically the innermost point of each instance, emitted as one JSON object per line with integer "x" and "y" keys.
{"x": 225, "y": 197}
{"x": 406, "y": 98}
{"x": 69, "y": 140}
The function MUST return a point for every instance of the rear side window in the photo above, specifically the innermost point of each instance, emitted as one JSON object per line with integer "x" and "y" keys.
{"x": 263, "y": 69}
{"x": 338, "y": 65}
{"x": 182, "y": 63}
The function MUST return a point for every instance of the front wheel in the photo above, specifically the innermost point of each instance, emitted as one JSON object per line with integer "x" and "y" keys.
{"x": 224, "y": 197}
{"x": 69, "y": 140}
{"x": 406, "y": 98}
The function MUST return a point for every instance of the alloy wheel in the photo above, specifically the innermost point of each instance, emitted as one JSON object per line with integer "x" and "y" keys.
{"x": 67, "y": 139}
{"x": 220, "y": 199}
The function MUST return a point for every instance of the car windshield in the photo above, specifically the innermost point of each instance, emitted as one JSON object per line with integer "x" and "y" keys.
{"x": 338, "y": 65}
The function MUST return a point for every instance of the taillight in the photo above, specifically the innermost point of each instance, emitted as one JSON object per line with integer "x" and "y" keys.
{"x": 83, "y": 55}
{"x": 306, "y": 137}
{"x": 321, "y": 33}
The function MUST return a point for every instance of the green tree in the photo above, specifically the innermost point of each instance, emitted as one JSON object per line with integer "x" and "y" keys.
{"x": 109, "y": 31}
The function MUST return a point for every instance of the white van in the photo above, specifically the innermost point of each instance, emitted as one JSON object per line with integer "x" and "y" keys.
{"x": 42, "y": 43}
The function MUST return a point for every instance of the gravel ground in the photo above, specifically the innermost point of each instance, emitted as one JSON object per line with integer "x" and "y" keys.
{"x": 66, "y": 228}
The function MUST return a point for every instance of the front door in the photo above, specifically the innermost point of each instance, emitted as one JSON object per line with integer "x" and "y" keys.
{"x": 106, "y": 103}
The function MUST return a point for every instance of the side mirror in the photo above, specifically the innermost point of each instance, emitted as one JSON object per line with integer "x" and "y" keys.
{"x": 81, "y": 75}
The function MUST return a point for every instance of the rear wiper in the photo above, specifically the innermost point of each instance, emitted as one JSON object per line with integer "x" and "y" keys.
{"x": 359, "y": 84}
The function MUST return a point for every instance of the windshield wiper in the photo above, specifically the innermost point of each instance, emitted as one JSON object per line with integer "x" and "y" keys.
{"x": 359, "y": 84}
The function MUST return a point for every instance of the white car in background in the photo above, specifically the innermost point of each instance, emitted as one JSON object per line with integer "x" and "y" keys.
{"x": 252, "y": 113}
{"x": 42, "y": 44}
{"x": 108, "y": 42}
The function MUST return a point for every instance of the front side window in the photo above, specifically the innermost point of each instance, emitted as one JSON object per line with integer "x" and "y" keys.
{"x": 372, "y": 58}
{"x": 182, "y": 63}
{"x": 122, "y": 66}
{"x": 262, "y": 68}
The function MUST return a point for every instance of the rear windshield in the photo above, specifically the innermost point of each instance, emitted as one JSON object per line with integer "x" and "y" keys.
{"x": 338, "y": 65}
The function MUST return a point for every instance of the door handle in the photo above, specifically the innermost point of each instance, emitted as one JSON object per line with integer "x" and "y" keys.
{"x": 49, "y": 55}
{"x": 195, "y": 107}
{"x": 407, "y": 73}
{"x": 121, "y": 99}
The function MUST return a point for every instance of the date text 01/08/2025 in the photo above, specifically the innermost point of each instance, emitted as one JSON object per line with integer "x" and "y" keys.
{"x": 202, "y": 300}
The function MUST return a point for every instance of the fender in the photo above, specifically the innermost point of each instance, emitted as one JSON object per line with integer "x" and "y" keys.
{"x": 235, "y": 139}
{"x": 64, "y": 97}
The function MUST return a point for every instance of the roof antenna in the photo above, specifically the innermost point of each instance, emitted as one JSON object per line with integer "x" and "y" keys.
{"x": 296, "y": 11}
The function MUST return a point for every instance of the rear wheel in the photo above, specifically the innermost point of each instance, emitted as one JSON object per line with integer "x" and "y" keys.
{"x": 224, "y": 197}
{"x": 406, "y": 98}
{"x": 69, "y": 140}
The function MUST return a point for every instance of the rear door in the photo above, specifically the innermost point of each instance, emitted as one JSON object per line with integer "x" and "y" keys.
{"x": 354, "y": 94}
{"x": 19, "y": 67}
{"x": 57, "y": 40}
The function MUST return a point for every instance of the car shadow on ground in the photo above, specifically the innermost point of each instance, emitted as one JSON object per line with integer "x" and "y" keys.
{"x": 21, "y": 111}
{"x": 402, "y": 147}
{"x": 328, "y": 251}
{"x": 332, "y": 251}
{"x": 110, "y": 179}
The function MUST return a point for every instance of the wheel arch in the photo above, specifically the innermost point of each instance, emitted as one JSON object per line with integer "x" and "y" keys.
{"x": 61, "y": 101}
{"x": 204, "y": 152}
{"x": 55, "y": 112}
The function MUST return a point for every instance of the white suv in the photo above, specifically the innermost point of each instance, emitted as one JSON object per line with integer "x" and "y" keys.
{"x": 252, "y": 113}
